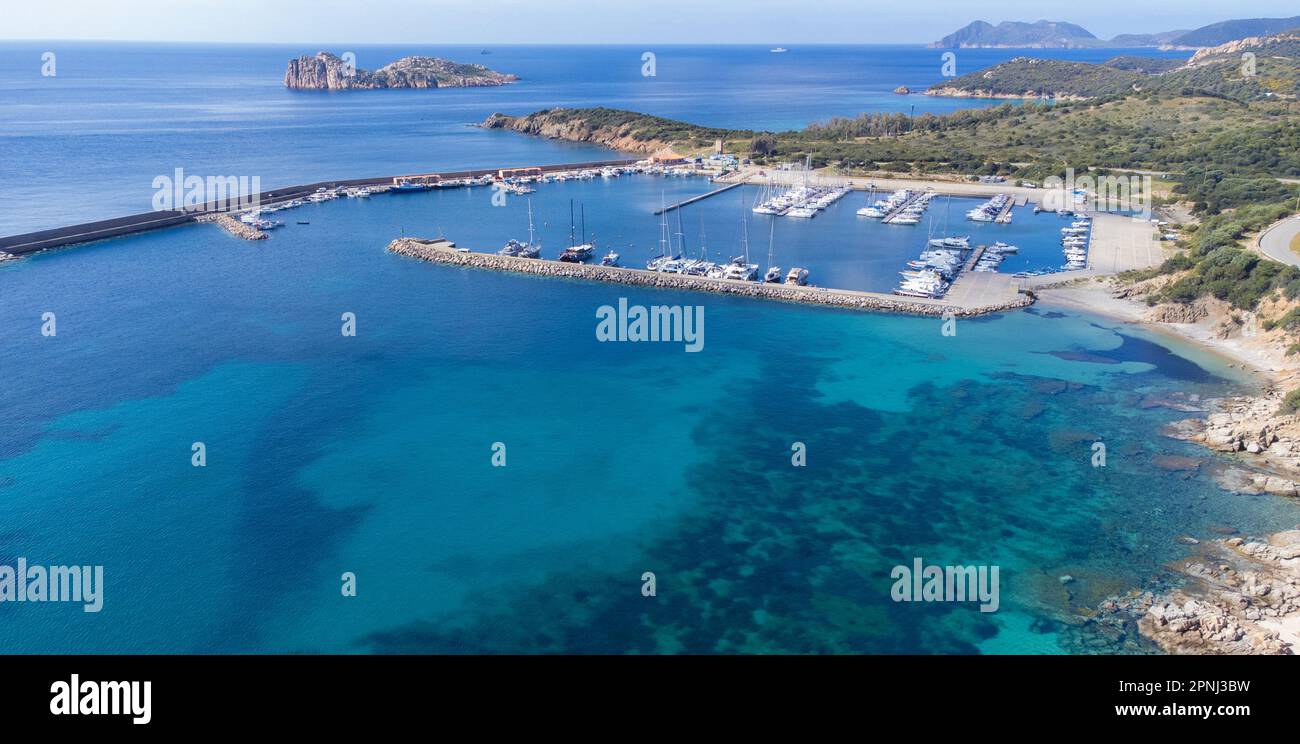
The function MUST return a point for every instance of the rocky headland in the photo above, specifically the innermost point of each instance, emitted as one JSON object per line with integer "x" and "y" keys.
{"x": 545, "y": 124}
{"x": 326, "y": 71}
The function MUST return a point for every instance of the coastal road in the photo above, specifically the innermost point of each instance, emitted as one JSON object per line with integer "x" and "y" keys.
{"x": 1275, "y": 242}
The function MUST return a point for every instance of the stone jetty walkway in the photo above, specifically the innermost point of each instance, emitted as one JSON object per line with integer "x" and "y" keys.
{"x": 983, "y": 301}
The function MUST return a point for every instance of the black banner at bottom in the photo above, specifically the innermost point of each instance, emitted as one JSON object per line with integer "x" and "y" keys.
{"x": 250, "y": 693}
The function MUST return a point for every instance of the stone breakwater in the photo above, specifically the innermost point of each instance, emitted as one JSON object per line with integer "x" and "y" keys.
{"x": 233, "y": 226}
{"x": 441, "y": 251}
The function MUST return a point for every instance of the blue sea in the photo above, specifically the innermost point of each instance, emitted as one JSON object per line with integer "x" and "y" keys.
{"x": 372, "y": 455}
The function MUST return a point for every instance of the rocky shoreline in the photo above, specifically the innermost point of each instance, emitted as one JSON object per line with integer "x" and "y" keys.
{"x": 1240, "y": 596}
{"x": 977, "y": 93}
{"x": 445, "y": 252}
{"x": 546, "y": 124}
{"x": 1235, "y": 595}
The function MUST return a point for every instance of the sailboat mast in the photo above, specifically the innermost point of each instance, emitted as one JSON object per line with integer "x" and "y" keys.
{"x": 681, "y": 236}
{"x": 771, "y": 242}
{"x": 703, "y": 240}
{"x": 571, "y": 223}
{"x": 663, "y": 227}
{"x": 584, "y": 223}
{"x": 530, "y": 221}
{"x": 744, "y": 237}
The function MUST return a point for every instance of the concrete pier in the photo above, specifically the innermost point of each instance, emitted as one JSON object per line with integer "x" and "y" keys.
{"x": 698, "y": 198}
{"x": 89, "y": 231}
{"x": 889, "y": 218}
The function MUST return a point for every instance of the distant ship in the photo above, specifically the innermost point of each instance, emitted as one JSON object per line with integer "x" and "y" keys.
{"x": 780, "y": 50}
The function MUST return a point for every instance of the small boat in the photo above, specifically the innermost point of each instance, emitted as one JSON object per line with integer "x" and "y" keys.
{"x": 780, "y": 50}
{"x": 797, "y": 276}
{"x": 610, "y": 259}
{"x": 577, "y": 253}
{"x": 303, "y": 222}
{"x": 773, "y": 275}
{"x": 962, "y": 242}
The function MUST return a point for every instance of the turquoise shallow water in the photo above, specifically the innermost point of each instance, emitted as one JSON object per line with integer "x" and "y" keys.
{"x": 371, "y": 455}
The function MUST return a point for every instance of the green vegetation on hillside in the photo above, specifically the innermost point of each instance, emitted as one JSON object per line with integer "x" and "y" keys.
{"x": 1028, "y": 76}
{"x": 1276, "y": 73}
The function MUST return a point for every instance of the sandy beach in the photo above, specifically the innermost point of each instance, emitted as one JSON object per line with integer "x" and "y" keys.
{"x": 1094, "y": 295}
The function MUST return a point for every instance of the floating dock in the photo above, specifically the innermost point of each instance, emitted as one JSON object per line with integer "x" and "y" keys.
{"x": 889, "y": 218}
{"x": 698, "y": 198}
{"x": 1004, "y": 216}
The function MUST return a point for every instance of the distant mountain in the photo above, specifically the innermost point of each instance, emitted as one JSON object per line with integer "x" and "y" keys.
{"x": 1212, "y": 71}
{"x": 1129, "y": 41}
{"x": 1226, "y": 31}
{"x": 1040, "y": 34}
{"x": 1058, "y": 35}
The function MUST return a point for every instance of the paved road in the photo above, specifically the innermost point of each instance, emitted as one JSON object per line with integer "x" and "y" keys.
{"x": 1276, "y": 241}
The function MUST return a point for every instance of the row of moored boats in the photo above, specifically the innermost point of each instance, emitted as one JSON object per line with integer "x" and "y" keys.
{"x": 803, "y": 200}
{"x": 902, "y": 207}
{"x": 993, "y": 210}
{"x": 1074, "y": 243}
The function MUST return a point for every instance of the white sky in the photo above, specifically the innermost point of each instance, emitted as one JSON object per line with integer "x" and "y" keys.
{"x": 589, "y": 21}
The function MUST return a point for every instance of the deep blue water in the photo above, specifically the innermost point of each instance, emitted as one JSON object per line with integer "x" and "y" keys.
{"x": 372, "y": 454}
{"x": 87, "y": 143}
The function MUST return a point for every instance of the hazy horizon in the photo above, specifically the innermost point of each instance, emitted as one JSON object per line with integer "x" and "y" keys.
{"x": 571, "y": 22}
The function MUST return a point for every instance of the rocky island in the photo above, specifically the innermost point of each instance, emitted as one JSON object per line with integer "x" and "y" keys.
{"x": 326, "y": 71}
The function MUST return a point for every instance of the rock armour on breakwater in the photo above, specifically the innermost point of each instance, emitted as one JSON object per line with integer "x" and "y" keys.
{"x": 446, "y": 253}
{"x": 233, "y": 226}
